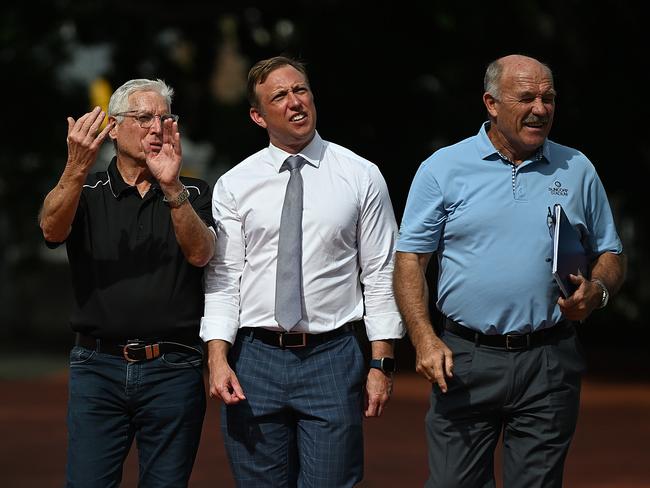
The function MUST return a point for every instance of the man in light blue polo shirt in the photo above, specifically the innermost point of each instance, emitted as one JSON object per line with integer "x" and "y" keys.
{"x": 508, "y": 358}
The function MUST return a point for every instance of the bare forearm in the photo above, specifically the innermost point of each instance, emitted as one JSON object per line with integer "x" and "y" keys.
{"x": 610, "y": 268}
{"x": 382, "y": 348}
{"x": 433, "y": 359}
{"x": 193, "y": 236}
{"x": 218, "y": 352}
{"x": 411, "y": 294}
{"x": 60, "y": 205}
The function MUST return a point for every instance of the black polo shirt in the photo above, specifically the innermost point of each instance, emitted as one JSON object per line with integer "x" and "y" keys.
{"x": 129, "y": 275}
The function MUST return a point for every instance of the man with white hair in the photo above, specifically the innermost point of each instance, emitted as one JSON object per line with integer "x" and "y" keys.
{"x": 137, "y": 236}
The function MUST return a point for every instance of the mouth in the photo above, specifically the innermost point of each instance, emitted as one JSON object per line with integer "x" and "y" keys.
{"x": 155, "y": 146}
{"x": 535, "y": 123}
{"x": 298, "y": 117}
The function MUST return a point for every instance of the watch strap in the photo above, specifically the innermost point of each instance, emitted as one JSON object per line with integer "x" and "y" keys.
{"x": 386, "y": 364}
{"x": 179, "y": 200}
{"x": 605, "y": 295}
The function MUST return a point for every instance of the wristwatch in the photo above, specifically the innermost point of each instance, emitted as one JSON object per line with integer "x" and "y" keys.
{"x": 605, "y": 296}
{"x": 387, "y": 365}
{"x": 179, "y": 200}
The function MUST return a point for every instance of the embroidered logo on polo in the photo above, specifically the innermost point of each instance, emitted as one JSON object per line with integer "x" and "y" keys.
{"x": 558, "y": 190}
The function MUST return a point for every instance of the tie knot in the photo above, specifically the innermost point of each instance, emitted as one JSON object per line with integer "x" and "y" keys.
{"x": 293, "y": 162}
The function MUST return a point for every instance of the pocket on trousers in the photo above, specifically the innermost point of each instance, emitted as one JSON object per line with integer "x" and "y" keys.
{"x": 183, "y": 359}
{"x": 565, "y": 359}
{"x": 463, "y": 357}
{"x": 80, "y": 355}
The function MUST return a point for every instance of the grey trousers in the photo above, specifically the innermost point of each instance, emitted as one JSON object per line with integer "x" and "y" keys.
{"x": 531, "y": 396}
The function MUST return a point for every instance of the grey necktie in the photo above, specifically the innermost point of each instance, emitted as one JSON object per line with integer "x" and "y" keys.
{"x": 288, "y": 282}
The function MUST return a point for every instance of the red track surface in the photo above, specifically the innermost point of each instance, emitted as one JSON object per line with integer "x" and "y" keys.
{"x": 610, "y": 449}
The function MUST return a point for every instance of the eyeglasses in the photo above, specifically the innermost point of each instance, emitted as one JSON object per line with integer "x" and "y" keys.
{"x": 145, "y": 120}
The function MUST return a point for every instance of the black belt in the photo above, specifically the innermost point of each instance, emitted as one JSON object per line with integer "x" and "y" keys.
{"x": 135, "y": 349}
{"x": 295, "y": 339}
{"x": 510, "y": 342}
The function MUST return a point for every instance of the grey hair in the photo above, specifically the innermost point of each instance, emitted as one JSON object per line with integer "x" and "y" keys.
{"x": 493, "y": 77}
{"x": 119, "y": 101}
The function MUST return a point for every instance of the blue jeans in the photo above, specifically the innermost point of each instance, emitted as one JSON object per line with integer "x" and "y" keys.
{"x": 159, "y": 402}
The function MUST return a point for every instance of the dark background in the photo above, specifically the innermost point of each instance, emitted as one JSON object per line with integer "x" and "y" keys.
{"x": 393, "y": 82}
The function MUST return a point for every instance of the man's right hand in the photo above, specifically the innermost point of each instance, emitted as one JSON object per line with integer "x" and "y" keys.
{"x": 223, "y": 381}
{"x": 434, "y": 361}
{"x": 83, "y": 140}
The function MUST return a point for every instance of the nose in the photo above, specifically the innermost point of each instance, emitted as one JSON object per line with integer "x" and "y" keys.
{"x": 293, "y": 100}
{"x": 538, "y": 106}
{"x": 156, "y": 124}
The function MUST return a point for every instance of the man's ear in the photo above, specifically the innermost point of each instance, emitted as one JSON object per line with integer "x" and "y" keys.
{"x": 113, "y": 132}
{"x": 257, "y": 117}
{"x": 490, "y": 103}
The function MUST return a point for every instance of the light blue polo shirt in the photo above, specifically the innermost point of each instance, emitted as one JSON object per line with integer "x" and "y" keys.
{"x": 487, "y": 221}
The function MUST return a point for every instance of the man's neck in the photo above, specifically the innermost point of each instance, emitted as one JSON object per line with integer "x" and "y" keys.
{"x": 135, "y": 174}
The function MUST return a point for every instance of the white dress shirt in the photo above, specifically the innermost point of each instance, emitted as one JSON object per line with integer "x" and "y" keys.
{"x": 349, "y": 234}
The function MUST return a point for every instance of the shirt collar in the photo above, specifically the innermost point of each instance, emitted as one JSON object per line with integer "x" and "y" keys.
{"x": 312, "y": 152}
{"x": 118, "y": 186}
{"x": 487, "y": 150}
{"x": 117, "y": 183}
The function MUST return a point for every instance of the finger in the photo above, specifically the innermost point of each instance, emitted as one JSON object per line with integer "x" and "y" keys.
{"x": 71, "y": 123}
{"x": 102, "y": 135}
{"x": 223, "y": 392}
{"x": 424, "y": 371}
{"x": 88, "y": 120}
{"x": 96, "y": 124}
{"x": 439, "y": 376}
{"x": 575, "y": 279}
{"x": 371, "y": 409}
{"x": 167, "y": 136}
{"x": 380, "y": 409}
{"x": 177, "y": 141}
{"x": 449, "y": 364}
{"x": 237, "y": 389}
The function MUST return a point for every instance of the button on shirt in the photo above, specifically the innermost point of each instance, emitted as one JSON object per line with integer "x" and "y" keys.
{"x": 349, "y": 233}
{"x": 487, "y": 221}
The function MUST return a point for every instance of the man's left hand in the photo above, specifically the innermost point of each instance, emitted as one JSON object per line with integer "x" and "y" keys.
{"x": 379, "y": 387}
{"x": 584, "y": 300}
{"x": 165, "y": 165}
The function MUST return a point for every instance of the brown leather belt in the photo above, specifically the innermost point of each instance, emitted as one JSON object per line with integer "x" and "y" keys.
{"x": 134, "y": 349}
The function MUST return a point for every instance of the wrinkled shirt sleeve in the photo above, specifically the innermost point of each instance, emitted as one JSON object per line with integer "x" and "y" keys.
{"x": 223, "y": 272}
{"x": 376, "y": 236}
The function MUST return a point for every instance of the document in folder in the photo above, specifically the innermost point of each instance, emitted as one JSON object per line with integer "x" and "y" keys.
{"x": 569, "y": 256}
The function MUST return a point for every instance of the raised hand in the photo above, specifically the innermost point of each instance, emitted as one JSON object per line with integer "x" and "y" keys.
{"x": 165, "y": 165}
{"x": 83, "y": 140}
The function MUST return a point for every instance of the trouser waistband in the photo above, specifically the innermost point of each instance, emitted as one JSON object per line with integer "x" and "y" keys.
{"x": 510, "y": 342}
{"x": 296, "y": 339}
{"x": 135, "y": 349}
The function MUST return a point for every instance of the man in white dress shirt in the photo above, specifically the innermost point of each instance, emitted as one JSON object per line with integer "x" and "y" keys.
{"x": 295, "y": 395}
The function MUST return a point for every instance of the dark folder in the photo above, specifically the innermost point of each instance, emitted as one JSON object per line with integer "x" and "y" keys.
{"x": 569, "y": 256}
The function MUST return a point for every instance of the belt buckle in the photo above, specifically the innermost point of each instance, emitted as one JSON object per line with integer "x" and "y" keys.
{"x": 125, "y": 350}
{"x": 302, "y": 344}
{"x": 151, "y": 351}
{"x": 519, "y": 347}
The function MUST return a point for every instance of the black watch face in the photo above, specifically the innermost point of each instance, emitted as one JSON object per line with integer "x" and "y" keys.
{"x": 388, "y": 365}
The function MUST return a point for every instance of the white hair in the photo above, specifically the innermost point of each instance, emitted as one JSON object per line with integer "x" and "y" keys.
{"x": 119, "y": 101}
